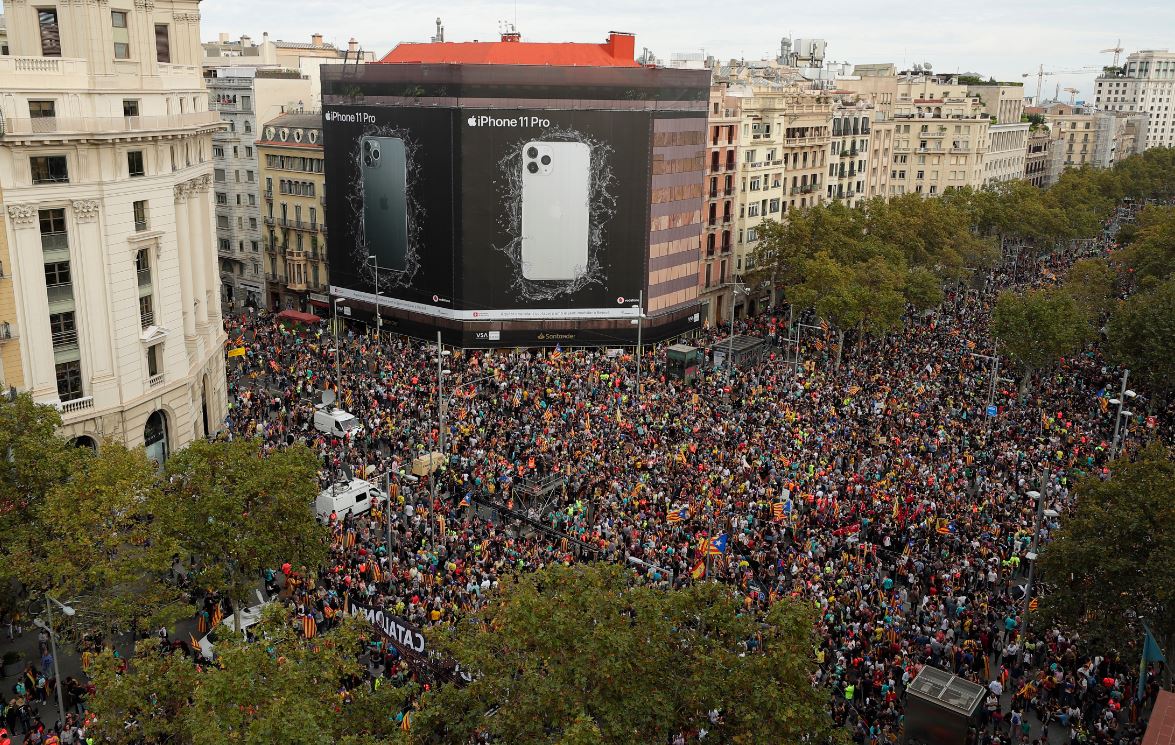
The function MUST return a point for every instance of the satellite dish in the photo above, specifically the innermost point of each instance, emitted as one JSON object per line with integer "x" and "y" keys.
{"x": 927, "y": 66}
{"x": 328, "y": 397}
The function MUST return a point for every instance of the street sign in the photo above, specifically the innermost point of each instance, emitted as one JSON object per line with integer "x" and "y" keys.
{"x": 992, "y": 410}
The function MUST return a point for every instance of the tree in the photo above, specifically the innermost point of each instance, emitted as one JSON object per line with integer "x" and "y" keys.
{"x": 1113, "y": 561}
{"x": 106, "y": 553}
{"x": 1142, "y": 337}
{"x": 239, "y": 512}
{"x": 33, "y": 459}
{"x": 1038, "y": 328}
{"x": 580, "y": 655}
{"x": 1091, "y": 283}
{"x": 1151, "y": 253}
{"x": 280, "y": 689}
{"x": 830, "y": 289}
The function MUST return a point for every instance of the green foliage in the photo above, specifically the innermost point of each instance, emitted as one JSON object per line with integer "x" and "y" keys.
{"x": 580, "y": 655}
{"x": 1113, "y": 560}
{"x": 1151, "y": 253}
{"x": 1142, "y": 337}
{"x": 1038, "y": 328}
{"x": 33, "y": 459}
{"x": 239, "y": 512}
{"x": 1091, "y": 283}
{"x": 281, "y": 689}
{"x": 106, "y": 552}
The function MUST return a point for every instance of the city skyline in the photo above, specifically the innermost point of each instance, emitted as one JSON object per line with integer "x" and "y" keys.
{"x": 1004, "y": 40}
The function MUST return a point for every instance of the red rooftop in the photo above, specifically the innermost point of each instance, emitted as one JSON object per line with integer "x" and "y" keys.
{"x": 618, "y": 51}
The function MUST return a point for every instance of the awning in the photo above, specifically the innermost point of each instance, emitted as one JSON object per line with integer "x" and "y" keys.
{"x": 298, "y": 316}
{"x": 318, "y": 303}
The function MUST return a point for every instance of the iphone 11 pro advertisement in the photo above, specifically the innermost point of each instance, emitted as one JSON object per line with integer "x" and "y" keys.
{"x": 489, "y": 214}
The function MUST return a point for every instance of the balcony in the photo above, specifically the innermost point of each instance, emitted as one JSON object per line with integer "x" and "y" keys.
{"x": 798, "y": 141}
{"x": 269, "y": 195}
{"x": 268, "y": 219}
{"x": 75, "y": 405}
{"x": 156, "y": 380}
{"x": 51, "y": 127}
{"x": 146, "y": 318}
{"x": 940, "y": 132}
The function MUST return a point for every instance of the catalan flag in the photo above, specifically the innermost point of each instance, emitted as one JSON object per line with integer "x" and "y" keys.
{"x": 217, "y": 614}
{"x": 676, "y": 516}
{"x": 717, "y": 545}
{"x": 780, "y": 510}
{"x": 406, "y": 723}
{"x": 309, "y": 627}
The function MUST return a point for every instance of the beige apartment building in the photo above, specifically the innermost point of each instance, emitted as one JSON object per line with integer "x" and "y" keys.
{"x": 106, "y": 173}
{"x": 852, "y": 119}
{"x": 723, "y": 129}
{"x": 1036, "y": 160}
{"x": 1145, "y": 84}
{"x": 294, "y": 182}
{"x": 780, "y": 151}
{"x": 11, "y": 369}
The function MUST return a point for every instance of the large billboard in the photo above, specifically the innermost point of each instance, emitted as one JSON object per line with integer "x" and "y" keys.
{"x": 477, "y": 214}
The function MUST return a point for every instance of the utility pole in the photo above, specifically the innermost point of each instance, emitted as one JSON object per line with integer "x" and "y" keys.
{"x": 388, "y": 494}
{"x": 440, "y": 416}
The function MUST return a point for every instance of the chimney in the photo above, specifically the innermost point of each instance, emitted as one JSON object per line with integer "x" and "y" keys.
{"x": 352, "y": 45}
{"x": 223, "y": 38}
{"x": 621, "y": 45}
{"x": 316, "y": 40}
{"x": 246, "y": 41}
{"x": 512, "y": 37}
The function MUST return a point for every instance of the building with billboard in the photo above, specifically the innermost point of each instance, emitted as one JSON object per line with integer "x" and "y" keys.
{"x": 512, "y": 193}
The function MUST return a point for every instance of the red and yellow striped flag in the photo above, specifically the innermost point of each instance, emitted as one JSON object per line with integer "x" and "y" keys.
{"x": 309, "y": 627}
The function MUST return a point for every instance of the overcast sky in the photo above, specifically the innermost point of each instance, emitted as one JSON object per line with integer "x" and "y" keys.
{"x": 1003, "y": 38}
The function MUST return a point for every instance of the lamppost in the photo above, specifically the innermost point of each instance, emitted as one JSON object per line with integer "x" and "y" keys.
{"x": 1041, "y": 512}
{"x": 67, "y": 610}
{"x": 640, "y": 318}
{"x": 372, "y": 258}
{"x": 1120, "y": 401}
{"x": 338, "y": 368}
{"x": 799, "y": 330}
{"x": 441, "y": 372}
{"x": 735, "y": 289}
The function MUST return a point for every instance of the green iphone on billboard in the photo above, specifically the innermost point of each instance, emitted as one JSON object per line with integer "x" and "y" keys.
{"x": 385, "y": 200}
{"x": 556, "y": 188}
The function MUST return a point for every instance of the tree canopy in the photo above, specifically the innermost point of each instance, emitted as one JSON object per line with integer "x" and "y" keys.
{"x": 1113, "y": 561}
{"x": 1142, "y": 337}
{"x": 240, "y": 511}
{"x": 1037, "y": 328}
{"x": 580, "y": 655}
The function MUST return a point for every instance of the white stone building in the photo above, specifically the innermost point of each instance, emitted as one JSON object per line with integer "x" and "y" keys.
{"x": 105, "y": 177}
{"x": 1145, "y": 84}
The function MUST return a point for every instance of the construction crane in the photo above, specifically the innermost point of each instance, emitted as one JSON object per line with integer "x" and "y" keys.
{"x": 1072, "y": 95}
{"x": 1116, "y": 49}
{"x": 1041, "y": 73}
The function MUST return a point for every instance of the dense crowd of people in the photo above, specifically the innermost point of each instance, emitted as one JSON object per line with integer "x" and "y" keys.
{"x": 879, "y": 490}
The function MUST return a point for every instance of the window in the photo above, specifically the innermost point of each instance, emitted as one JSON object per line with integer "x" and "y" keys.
{"x": 142, "y": 261}
{"x": 248, "y": 151}
{"x": 122, "y": 39}
{"x": 162, "y": 44}
{"x": 217, "y": 151}
{"x": 42, "y": 109}
{"x": 252, "y": 223}
{"x": 153, "y": 362}
{"x": 146, "y": 311}
{"x": 134, "y": 163}
{"x": 218, "y": 175}
{"x": 130, "y": 107}
{"x": 49, "y": 169}
{"x": 255, "y": 246}
{"x": 64, "y": 329}
{"x": 69, "y": 380}
{"x": 224, "y": 245}
{"x": 56, "y": 273}
{"x": 50, "y": 32}
{"x": 140, "y": 210}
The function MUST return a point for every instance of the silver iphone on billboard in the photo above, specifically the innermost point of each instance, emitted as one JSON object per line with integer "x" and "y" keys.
{"x": 556, "y": 189}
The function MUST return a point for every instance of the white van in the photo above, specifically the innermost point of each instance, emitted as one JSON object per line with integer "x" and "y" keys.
{"x": 336, "y": 422}
{"x": 343, "y": 498}
{"x": 249, "y": 617}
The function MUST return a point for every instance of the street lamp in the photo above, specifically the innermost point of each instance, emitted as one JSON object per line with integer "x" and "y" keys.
{"x": 67, "y": 610}
{"x": 441, "y": 373}
{"x": 640, "y": 318}
{"x": 735, "y": 289}
{"x": 1041, "y": 512}
{"x": 1120, "y": 401}
{"x": 372, "y": 258}
{"x": 338, "y": 368}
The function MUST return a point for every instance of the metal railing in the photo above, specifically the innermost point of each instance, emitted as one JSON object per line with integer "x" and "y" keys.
{"x": 156, "y": 380}
{"x": 146, "y": 318}
{"x": 65, "y": 339}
